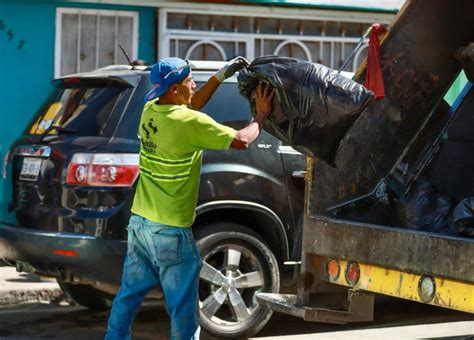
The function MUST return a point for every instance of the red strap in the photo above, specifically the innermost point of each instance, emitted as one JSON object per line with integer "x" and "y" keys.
{"x": 373, "y": 76}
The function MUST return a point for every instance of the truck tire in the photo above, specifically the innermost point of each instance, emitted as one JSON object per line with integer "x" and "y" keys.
{"x": 236, "y": 265}
{"x": 87, "y": 296}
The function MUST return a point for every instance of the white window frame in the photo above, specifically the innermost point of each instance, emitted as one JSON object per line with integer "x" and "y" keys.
{"x": 203, "y": 42}
{"x": 295, "y": 42}
{"x": 102, "y": 12}
{"x": 165, "y": 34}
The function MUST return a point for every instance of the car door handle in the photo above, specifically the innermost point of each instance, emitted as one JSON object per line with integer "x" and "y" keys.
{"x": 298, "y": 174}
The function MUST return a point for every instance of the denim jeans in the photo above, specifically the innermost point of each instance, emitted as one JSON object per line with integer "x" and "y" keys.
{"x": 163, "y": 255}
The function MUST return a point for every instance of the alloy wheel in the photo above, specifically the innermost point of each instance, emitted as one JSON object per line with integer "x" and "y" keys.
{"x": 231, "y": 275}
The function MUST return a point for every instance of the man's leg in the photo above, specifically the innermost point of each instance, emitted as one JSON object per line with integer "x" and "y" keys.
{"x": 180, "y": 284}
{"x": 137, "y": 280}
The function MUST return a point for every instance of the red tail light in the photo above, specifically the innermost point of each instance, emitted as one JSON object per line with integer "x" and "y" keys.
{"x": 74, "y": 80}
{"x": 352, "y": 273}
{"x": 333, "y": 269}
{"x": 103, "y": 169}
{"x": 66, "y": 252}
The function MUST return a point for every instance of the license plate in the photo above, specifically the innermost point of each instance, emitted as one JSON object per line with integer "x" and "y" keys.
{"x": 30, "y": 169}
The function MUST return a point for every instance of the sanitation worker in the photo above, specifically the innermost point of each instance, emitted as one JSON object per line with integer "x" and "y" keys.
{"x": 161, "y": 248}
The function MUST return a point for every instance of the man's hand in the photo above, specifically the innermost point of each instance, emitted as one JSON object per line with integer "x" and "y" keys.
{"x": 263, "y": 99}
{"x": 230, "y": 68}
{"x": 263, "y": 106}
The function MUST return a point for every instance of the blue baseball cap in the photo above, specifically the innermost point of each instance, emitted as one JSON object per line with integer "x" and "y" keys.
{"x": 165, "y": 73}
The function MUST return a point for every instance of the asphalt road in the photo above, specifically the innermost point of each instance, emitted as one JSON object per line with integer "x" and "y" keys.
{"x": 53, "y": 321}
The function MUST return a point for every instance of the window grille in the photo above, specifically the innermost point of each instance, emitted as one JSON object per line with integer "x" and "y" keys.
{"x": 88, "y": 39}
{"x": 222, "y": 37}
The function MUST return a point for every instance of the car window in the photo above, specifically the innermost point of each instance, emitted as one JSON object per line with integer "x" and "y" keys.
{"x": 227, "y": 105}
{"x": 85, "y": 109}
{"x": 128, "y": 123}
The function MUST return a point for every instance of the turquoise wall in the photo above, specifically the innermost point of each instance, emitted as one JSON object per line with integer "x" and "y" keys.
{"x": 26, "y": 63}
{"x": 27, "y": 33}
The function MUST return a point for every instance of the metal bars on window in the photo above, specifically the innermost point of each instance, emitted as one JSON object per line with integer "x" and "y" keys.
{"x": 327, "y": 50}
{"x": 328, "y": 43}
{"x": 88, "y": 39}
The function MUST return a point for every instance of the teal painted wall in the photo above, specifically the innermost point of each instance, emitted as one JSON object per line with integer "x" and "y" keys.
{"x": 27, "y": 37}
{"x": 26, "y": 63}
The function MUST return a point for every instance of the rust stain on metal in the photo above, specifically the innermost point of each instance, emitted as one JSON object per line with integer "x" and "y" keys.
{"x": 400, "y": 282}
{"x": 435, "y": 77}
{"x": 305, "y": 280}
{"x": 316, "y": 261}
{"x": 441, "y": 302}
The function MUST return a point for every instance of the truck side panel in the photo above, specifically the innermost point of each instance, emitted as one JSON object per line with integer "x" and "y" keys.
{"x": 418, "y": 66}
{"x": 401, "y": 249}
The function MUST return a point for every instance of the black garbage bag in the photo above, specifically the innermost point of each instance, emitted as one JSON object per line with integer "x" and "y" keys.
{"x": 463, "y": 218}
{"x": 424, "y": 208}
{"x": 313, "y": 106}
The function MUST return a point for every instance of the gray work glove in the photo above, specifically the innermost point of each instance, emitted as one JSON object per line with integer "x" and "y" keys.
{"x": 230, "y": 68}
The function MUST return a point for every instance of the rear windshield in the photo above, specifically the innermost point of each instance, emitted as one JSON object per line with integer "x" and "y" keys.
{"x": 80, "y": 109}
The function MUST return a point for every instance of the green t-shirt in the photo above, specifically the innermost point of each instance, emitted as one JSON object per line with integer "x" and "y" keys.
{"x": 172, "y": 138}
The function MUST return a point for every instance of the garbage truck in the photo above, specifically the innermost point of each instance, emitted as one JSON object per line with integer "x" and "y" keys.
{"x": 393, "y": 214}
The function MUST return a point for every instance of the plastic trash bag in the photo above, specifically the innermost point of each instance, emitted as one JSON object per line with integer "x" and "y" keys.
{"x": 424, "y": 208}
{"x": 465, "y": 55}
{"x": 313, "y": 106}
{"x": 463, "y": 218}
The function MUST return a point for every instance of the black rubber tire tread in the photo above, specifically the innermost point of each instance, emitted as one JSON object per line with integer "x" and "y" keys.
{"x": 210, "y": 235}
{"x": 87, "y": 296}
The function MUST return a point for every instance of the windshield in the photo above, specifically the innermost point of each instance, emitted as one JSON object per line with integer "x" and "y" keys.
{"x": 83, "y": 110}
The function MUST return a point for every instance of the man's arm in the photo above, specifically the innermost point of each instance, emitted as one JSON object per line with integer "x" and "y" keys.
{"x": 263, "y": 106}
{"x": 204, "y": 93}
{"x": 202, "y": 96}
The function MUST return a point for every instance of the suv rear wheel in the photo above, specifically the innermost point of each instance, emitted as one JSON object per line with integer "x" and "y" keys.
{"x": 87, "y": 296}
{"x": 236, "y": 265}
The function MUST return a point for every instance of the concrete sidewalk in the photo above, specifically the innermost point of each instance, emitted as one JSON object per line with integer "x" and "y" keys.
{"x": 462, "y": 330}
{"x": 18, "y": 288}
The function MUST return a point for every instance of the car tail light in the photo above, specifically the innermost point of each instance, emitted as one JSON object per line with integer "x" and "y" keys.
{"x": 333, "y": 269}
{"x": 66, "y": 252}
{"x": 103, "y": 169}
{"x": 73, "y": 80}
{"x": 352, "y": 273}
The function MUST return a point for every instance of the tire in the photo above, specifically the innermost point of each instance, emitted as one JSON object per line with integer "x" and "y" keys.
{"x": 87, "y": 296}
{"x": 227, "y": 303}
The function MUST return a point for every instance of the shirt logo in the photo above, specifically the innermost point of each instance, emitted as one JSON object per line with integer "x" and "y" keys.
{"x": 151, "y": 126}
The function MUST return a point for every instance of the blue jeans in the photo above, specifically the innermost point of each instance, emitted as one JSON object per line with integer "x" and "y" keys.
{"x": 158, "y": 254}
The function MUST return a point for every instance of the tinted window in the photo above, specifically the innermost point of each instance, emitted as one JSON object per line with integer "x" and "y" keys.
{"x": 86, "y": 110}
{"x": 128, "y": 125}
{"x": 227, "y": 105}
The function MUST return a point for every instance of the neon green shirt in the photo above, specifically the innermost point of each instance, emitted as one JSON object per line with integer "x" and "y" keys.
{"x": 172, "y": 138}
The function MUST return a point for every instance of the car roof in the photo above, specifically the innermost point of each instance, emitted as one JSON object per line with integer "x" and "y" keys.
{"x": 201, "y": 70}
{"x": 196, "y": 65}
